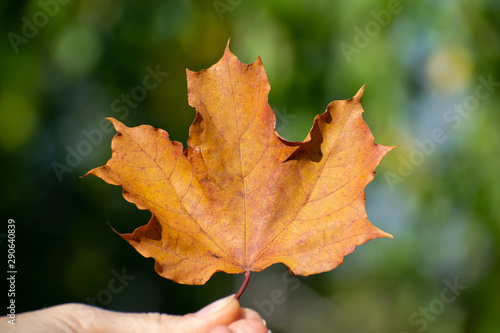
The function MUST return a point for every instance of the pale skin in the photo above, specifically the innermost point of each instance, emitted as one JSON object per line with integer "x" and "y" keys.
{"x": 222, "y": 316}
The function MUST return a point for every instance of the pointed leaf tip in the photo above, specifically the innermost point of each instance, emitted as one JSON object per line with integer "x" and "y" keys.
{"x": 359, "y": 94}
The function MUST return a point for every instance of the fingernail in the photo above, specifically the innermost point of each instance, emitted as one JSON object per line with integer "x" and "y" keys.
{"x": 215, "y": 306}
{"x": 265, "y": 324}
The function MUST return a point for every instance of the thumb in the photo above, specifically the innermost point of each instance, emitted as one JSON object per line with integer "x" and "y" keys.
{"x": 84, "y": 318}
{"x": 223, "y": 306}
{"x": 219, "y": 313}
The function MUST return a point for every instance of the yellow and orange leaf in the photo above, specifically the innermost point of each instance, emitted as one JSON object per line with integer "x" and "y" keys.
{"x": 241, "y": 198}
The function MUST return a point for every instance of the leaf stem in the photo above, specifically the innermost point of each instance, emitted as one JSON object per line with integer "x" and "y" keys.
{"x": 244, "y": 285}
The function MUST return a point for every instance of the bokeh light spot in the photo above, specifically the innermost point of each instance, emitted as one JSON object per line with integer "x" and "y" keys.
{"x": 450, "y": 69}
{"x": 77, "y": 50}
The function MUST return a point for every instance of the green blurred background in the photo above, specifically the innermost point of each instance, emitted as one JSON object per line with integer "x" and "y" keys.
{"x": 65, "y": 65}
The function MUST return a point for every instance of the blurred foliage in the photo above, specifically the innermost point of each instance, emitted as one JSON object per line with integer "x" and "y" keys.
{"x": 65, "y": 65}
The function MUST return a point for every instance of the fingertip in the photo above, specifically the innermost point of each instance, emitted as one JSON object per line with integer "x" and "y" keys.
{"x": 221, "y": 329}
{"x": 214, "y": 316}
{"x": 246, "y": 313}
{"x": 249, "y": 325}
{"x": 228, "y": 302}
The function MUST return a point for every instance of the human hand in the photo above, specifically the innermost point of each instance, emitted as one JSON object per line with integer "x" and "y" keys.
{"x": 222, "y": 316}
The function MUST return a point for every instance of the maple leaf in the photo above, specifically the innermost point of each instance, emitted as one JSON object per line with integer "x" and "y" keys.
{"x": 240, "y": 197}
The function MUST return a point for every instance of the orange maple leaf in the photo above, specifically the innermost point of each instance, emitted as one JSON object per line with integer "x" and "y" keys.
{"x": 241, "y": 198}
